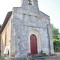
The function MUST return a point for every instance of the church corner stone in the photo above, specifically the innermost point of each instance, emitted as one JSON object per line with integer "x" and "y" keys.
{"x": 28, "y": 20}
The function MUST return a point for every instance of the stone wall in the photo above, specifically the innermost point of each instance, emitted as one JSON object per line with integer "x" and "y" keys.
{"x": 22, "y": 23}
{"x": 26, "y": 19}
{"x": 6, "y": 37}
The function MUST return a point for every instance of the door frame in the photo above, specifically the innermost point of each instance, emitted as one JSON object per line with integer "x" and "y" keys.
{"x": 37, "y": 33}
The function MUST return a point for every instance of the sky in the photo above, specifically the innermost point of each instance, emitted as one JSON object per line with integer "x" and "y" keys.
{"x": 49, "y": 7}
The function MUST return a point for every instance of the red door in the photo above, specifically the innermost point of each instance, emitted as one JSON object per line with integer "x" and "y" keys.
{"x": 33, "y": 44}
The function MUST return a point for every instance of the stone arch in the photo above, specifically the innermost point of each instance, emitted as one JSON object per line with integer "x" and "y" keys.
{"x": 36, "y": 33}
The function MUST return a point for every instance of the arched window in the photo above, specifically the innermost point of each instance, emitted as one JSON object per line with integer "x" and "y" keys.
{"x": 30, "y": 2}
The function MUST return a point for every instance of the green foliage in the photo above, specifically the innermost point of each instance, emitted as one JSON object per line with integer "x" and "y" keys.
{"x": 56, "y": 45}
{"x": 2, "y": 58}
{"x": 55, "y": 32}
{"x": 0, "y": 25}
{"x": 56, "y": 40}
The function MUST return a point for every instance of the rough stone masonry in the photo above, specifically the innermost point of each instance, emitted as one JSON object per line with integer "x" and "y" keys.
{"x": 28, "y": 20}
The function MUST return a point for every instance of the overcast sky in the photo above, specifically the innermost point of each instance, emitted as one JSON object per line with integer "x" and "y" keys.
{"x": 50, "y": 7}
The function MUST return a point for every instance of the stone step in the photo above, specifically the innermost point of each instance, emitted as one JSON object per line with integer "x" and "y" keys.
{"x": 39, "y": 58}
{"x": 31, "y": 58}
{"x": 36, "y": 58}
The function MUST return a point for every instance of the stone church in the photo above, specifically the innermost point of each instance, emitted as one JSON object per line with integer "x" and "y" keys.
{"x": 26, "y": 30}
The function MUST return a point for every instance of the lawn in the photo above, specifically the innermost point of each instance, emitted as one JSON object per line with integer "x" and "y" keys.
{"x": 1, "y": 58}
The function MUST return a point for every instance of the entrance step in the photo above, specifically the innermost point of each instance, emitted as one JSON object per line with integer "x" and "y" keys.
{"x": 36, "y": 58}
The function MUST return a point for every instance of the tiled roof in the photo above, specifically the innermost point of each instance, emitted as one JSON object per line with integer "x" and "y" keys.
{"x": 5, "y": 21}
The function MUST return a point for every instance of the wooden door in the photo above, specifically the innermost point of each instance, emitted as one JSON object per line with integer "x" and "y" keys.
{"x": 33, "y": 44}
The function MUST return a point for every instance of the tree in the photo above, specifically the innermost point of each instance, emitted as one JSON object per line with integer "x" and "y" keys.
{"x": 55, "y": 32}
{"x": 0, "y": 26}
{"x": 56, "y": 41}
{"x": 56, "y": 45}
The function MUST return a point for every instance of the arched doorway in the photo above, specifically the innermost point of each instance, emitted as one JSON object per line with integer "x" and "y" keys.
{"x": 33, "y": 44}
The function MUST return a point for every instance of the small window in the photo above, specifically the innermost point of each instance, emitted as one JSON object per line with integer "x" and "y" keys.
{"x": 30, "y": 2}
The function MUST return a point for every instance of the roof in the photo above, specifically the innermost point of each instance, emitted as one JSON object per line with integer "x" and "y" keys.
{"x": 5, "y": 21}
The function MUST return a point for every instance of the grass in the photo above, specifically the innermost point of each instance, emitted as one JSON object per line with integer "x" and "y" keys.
{"x": 1, "y": 58}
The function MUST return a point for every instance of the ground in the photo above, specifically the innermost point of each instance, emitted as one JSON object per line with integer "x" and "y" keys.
{"x": 1, "y": 58}
{"x": 56, "y": 57}
{"x": 57, "y": 53}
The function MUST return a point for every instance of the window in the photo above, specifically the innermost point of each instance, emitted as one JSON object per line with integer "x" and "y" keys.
{"x": 30, "y": 2}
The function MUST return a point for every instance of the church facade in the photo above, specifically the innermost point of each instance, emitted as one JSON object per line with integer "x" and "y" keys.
{"x": 29, "y": 31}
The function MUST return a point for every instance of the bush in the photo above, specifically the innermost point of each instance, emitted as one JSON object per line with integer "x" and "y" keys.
{"x": 56, "y": 43}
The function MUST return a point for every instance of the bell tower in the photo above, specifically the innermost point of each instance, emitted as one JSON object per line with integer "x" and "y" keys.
{"x": 29, "y": 4}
